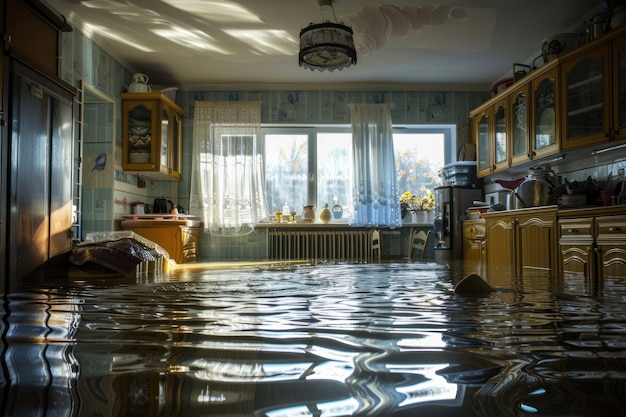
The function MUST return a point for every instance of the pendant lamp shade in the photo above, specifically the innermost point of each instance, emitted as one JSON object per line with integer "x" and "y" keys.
{"x": 326, "y": 46}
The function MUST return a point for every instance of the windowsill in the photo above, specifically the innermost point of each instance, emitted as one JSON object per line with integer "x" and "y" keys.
{"x": 336, "y": 225}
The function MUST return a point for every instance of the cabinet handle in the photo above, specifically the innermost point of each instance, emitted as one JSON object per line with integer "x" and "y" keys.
{"x": 572, "y": 230}
{"x": 615, "y": 229}
{"x": 616, "y": 133}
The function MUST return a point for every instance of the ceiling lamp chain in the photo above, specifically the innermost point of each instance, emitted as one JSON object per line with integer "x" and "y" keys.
{"x": 326, "y": 46}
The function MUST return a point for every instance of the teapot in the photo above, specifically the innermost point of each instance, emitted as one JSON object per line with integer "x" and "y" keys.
{"x": 535, "y": 190}
{"x": 162, "y": 205}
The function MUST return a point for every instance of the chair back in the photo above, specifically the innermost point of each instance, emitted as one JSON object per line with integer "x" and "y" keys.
{"x": 419, "y": 241}
{"x": 375, "y": 244}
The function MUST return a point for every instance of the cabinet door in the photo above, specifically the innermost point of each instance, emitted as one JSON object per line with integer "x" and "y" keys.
{"x": 501, "y": 116}
{"x": 175, "y": 145}
{"x": 164, "y": 160}
{"x": 141, "y": 138}
{"x": 520, "y": 122}
{"x": 482, "y": 128}
{"x": 586, "y": 99}
{"x": 619, "y": 89}
{"x": 611, "y": 242}
{"x": 537, "y": 243}
{"x": 576, "y": 249}
{"x": 545, "y": 123}
{"x": 500, "y": 250}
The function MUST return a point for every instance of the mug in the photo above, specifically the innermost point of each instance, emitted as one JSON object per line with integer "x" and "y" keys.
{"x": 139, "y": 78}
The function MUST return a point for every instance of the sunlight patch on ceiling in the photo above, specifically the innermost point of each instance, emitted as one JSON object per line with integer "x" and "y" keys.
{"x": 123, "y": 38}
{"x": 192, "y": 39}
{"x": 218, "y": 11}
{"x": 266, "y": 41}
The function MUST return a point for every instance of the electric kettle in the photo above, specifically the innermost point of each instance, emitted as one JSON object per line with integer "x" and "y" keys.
{"x": 162, "y": 206}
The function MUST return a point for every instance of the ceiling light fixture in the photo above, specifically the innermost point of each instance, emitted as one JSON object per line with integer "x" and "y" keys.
{"x": 326, "y": 46}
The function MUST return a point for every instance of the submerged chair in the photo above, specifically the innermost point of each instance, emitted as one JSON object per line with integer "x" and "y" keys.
{"x": 375, "y": 244}
{"x": 419, "y": 240}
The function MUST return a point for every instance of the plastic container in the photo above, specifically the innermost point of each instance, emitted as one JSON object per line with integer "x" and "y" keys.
{"x": 461, "y": 174}
{"x": 170, "y": 92}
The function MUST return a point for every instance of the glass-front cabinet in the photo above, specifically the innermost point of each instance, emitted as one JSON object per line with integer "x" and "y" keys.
{"x": 520, "y": 124}
{"x": 501, "y": 119}
{"x": 586, "y": 98}
{"x": 151, "y": 136}
{"x": 545, "y": 123}
{"x": 618, "y": 125}
{"x": 482, "y": 132}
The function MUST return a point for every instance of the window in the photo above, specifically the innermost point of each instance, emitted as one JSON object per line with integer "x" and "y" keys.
{"x": 419, "y": 159}
{"x": 313, "y": 165}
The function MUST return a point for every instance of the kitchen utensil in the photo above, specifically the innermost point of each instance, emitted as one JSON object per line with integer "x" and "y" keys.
{"x": 519, "y": 70}
{"x": 558, "y": 44}
{"x": 137, "y": 208}
{"x": 162, "y": 205}
{"x": 512, "y": 184}
{"x": 535, "y": 190}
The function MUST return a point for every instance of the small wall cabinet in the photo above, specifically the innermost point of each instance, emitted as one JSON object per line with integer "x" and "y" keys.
{"x": 151, "y": 136}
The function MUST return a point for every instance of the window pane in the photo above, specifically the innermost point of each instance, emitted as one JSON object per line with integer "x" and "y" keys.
{"x": 286, "y": 159}
{"x": 334, "y": 171}
{"x": 419, "y": 158}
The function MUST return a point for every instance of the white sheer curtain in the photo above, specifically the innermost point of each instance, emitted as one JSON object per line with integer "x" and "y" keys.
{"x": 376, "y": 196}
{"x": 227, "y": 182}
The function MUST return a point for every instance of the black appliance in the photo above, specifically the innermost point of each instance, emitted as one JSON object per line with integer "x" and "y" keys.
{"x": 451, "y": 204}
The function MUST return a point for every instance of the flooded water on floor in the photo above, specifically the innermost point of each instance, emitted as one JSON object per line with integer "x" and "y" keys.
{"x": 326, "y": 340}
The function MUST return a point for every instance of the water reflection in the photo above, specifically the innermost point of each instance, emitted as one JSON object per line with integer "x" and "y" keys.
{"x": 332, "y": 340}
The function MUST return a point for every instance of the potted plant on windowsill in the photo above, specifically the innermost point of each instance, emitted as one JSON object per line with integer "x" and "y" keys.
{"x": 417, "y": 208}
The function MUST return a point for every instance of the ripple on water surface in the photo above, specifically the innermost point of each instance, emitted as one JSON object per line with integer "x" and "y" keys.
{"x": 328, "y": 340}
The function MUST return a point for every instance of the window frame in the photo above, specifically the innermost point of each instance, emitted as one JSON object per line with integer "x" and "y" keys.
{"x": 448, "y": 130}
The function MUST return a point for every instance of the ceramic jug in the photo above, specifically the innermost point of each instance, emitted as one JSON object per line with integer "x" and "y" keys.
{"x": 139, "y": 78}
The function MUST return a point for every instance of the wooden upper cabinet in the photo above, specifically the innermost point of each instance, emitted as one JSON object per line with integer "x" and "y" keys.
{"x": 33, "y": 33}
{"x": 483, "y": 133}
{"x": 520, "y": 124}
{"x": 618, "y": 88}
{"x": 545, "y": 124}
{"x": 586, "y": 98}
{"x": 151, "y": 136}
{"x": 501, "y": 132}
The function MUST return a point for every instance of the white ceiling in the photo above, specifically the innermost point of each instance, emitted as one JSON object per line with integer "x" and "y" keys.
{"x": 196, "y": 44}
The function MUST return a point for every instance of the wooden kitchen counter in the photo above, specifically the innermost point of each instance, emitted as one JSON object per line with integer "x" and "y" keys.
{"x": 180, "y": 237}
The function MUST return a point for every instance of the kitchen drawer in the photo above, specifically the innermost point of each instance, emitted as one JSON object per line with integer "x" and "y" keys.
{"x": 474, "y": 229}
{"x": 576, "y": 229}
{"x": 611, "y": 228}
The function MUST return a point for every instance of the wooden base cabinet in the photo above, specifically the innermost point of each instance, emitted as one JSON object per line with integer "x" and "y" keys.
{"x": 521, "y": 242}
{"x": 474, "y": 247}
{"x": 500, "y": 246}
{"x": 181, "y": 241}
{"x": 611, "y": 247}
{"x": 577, "y": 248}
{"x": 593, "y": 251}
